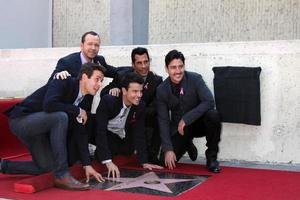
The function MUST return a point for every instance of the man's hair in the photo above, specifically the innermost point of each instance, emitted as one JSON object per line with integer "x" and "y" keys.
{"x": 88, "y": 33}
{"x": 139, "y": 51}
{"x": 131, "y": 77}
{"x": 174, "y": 54}
{"x": 88, "y": 69}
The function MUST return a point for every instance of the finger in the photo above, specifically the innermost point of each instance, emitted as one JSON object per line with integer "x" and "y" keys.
{"x": 118, "y": 173}
{"x": 166, "y": 163}
{"x": 157, "y": 167}
{"x": 87, "y": 178}
{"x": 101, "y": 178}
{"x": 182, "y": 132}
{"x": 108, "y": 175}
{"x": 113, "y": 174}
{"x": 173, "y": 164}
{"x": 169, "y": 165}
{"x": 97, "y": 176}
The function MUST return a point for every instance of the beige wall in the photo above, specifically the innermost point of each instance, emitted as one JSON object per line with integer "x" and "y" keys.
{"x": 276, "y": 140}
{"x": 178, "y": 21}
{"x": 173, "y": 21}
{"x": 71, "y": 18}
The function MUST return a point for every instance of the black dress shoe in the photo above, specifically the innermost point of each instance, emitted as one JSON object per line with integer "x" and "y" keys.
{"x": 192, "y": 151}
{"x": 69, "y": 183}
{"x": 213, "y": 166}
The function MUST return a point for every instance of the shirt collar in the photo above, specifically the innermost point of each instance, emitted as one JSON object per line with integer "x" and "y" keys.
{"x": 82, "y": 58}
{"x": 124, "y": 105}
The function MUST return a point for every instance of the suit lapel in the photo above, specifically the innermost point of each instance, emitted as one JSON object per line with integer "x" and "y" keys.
{"x": 183, "y": 97}
{"x": 74, "y": 89}
{"x": 173, "y": 101}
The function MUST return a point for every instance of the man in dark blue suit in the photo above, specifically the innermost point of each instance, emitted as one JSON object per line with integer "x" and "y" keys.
{"x": 41, "y": 122}
{"x": 185, "y": 108}
{"x": 141, "y": 65}
{"x": 89, "y": 46}
{"x": 70, "y": 65}
{"x": 121, "y": 125}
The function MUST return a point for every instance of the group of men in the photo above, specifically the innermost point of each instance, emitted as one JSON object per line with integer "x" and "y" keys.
{"x": 138, "y": 113}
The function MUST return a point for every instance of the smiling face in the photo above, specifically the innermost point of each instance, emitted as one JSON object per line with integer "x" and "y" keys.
{"x": 90, "y": 46}
{"x": 133, "y": 95}
{"x": 141, "y": 64}
{"x": 175, "y": 69}
{"x": 93, "y": 84}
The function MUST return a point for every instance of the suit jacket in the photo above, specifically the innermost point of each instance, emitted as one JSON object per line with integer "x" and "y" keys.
{"x": 194, "y": 100}
{"x": 56, "y": 95}
{"x": 149, "y": 91}
{"x": 72, "y": 63}
{"x": 109, "y": 107}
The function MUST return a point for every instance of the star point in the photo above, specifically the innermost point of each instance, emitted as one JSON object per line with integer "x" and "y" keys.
{"x": 148, "y": 180}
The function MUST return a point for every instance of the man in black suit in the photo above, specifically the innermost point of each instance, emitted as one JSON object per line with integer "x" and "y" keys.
{"x": 89, "y": 46}
{"x": 141, "y": 65}
{"x": 70, "y": 64}
{"x": 121, "y": 125}
{"x": 185, "y": 108}
{"x": 40, "y": 121}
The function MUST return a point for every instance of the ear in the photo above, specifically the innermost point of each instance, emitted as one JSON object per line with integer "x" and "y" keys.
{"x": 166, "y": 69}
{"x": 124, "y": 91}
{"x": 81, "y": 46}
{"x": 84, "y": 77}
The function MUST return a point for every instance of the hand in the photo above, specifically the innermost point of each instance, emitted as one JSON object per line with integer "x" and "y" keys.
{"x": 62, "y": 75}
{"x": 181, "y": 126}
{"x": 114, "y": 92}
{"x": 83, "y": 116}
{"x": 170, "y": 159}
{"x": 90, "y": 171}
{"x": 112, "y": 170}
{"x": 151, "y": 166}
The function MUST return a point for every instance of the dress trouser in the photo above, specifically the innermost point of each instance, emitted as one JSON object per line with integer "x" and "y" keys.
{"x": 44, "y": 134}
{"x": 209, "y": 125}
{"x": 78, "y": 140}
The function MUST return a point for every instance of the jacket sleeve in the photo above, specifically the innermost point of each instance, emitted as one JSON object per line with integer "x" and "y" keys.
{"x": 163, "y": 119}
{"x": 140, "y": 135}
{"x": 54, "y": 99}
{"x": 114, "y": 84}
{"x": 110, "y": 70}
{"x": 206, "y": 102}
{"x": 151, "y": 107}
{"x": 102, "y": 118}
{"x": 60, "y": 66}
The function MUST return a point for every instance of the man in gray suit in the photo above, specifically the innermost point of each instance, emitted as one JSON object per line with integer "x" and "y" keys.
{"x": 185, "y": 108}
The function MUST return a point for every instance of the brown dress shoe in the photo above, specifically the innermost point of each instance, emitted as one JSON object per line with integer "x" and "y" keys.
{"x": 69, "y": 183}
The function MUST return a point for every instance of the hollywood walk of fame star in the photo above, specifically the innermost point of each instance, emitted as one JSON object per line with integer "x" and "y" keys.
{"x": 149, "y": 180}
{"x": 152, "y": 183}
